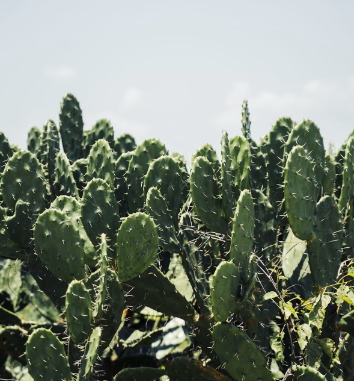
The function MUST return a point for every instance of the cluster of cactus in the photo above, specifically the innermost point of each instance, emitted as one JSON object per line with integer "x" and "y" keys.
{"x": 120, "y": 263}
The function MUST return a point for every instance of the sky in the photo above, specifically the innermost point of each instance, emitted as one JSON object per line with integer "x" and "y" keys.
{"x": 179, "y": 70}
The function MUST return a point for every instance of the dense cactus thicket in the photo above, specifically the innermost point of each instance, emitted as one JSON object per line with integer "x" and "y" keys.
{"x": 120, "y": 263}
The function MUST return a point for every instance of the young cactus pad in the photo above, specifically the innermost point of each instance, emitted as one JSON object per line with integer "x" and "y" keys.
{"x": 300, "y": 193}
{"x": 242, "y": 237}
{"x": 78, "y": 311}
{"x": 137, "y": 244}
{"x": 59, "y": 245}
{"x": 239, "y": 355}
{"x": 224, "y": 290}
{"x": 46, "y": 357}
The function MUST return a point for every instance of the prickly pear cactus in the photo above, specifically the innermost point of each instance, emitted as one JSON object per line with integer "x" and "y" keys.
{"x": 46, "y": 357}
{"x": 137, "y": 244}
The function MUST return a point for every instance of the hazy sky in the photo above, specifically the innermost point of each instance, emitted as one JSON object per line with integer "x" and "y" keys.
{"x": 178, "y": 70}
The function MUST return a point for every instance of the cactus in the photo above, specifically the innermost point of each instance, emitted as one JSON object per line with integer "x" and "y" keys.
{"x": 123, "y": 144}
{"x": 347, "y": 175}
{"x": 5, "y": 151}
{"x": 90, "y": 354}
{"x": 23, "y": 178}
{"x": 78, "y": 311}
{"x": 132, "y": 242}
{"x": 329, "y": 176}
{"x": 143, "y": 155}
{"x": 303, "y": 373}
{"x": 164, "y": 173}
{"x": 72, "y": 208}
{"x": 307, "y": 135}
{"x": 59, "y": 245}
{"x": 101, "y": 290}
{"x": 300, "y": 192}
{"x": 156, "y": 207}
{"x": 224, "y": 290}
{"x": 240, "y": 164}
{"x": 101, "y": 162}
{"x": 206, "y": 195}
{"x": 71, "y": 127}
{"x": 79, "y": 170}
{"x": 239, "y": 355}
{"x": 274, "y": 149}
{"x": 100, "y": 212}
{"x": 49, "y": 148}
{"x": 242, "y": 236}
{"x": 227, "y": 178}
{"x": 20, "y": 224}
{"x": 132, "y": 374}
{"x": 33, "y": 140}
{"x": 120, "y": 183}
{"x": 137, "y": 243}
{"x": 64, "y": 183}
{"x": 325, "y": 251}
{"x": 50, "y": 363}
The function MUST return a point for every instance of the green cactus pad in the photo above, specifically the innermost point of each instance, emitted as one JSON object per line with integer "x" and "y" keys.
{"x": 8, "y": 247}
{"x": 33, "y": 140}
{"x": 346, "y": 193}
{"x": 71, "y": 127}
{"x": 79, "y": 169}
{"x": 101, "y": 290}
{"x": 238, "y": 354}
{"x": 224, "y": 290}
{"x": 170, "y": 302}
{"x": 227, "y": 179}
{"x": 206, "y": 195}
{"x": 274, "y": 144}
{"x": 113, "y": 304}
{"x": 72, "y": 208}
{"x": 64, "y": 183}
{"x": 300, "y": 193}
{"x": 186, "y": 368}
{"x": 102, "y": 129}
{"x": 90, "y": 355}
{"x": 192, "y": 259}
{"x": 240, "y": 164}
{"x": 140, "y": 373}
{"x": 259, "y": 175}
{"x": 242, "y": 236}
{"x": 59, "y": 245}
{"x": 45, "y": 353}
{"x": 144, "y": 154}
{"x": 49, "y": 148}
{"x": 264, "y": 233}
{"x": 123, "y": 144}
{"x": 100, "y": 212}
{"x": 13, "y": 340}
{"x": 329, "y": 176}
{"x": 156, "y": 207}
{"x": 5, "y": 151}
{"x": 120, "y": 183}
{"x": 19, "y": 225}
{"x": 101, "y": 162}
{"x": 164, "y": 173}
{"x": 306, "y": 373}
{"x": 78, "y": 311}
{"x": 23, "y": 178}
{"x": 325, "y": 251}
{"x": 137, "y": 244}
{"x": 295, "y": 263}
{"x": 307, "y": 135}
{"x": 346, "y": 323}
{"x": 209, "y": 153}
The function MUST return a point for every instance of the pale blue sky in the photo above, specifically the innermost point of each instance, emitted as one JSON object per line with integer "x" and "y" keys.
{"x": 178, "y": 70}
